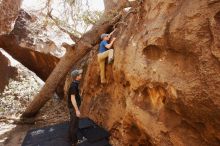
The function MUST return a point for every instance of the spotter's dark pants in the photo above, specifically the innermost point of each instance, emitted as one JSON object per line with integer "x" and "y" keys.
{"x": 73, "y": 126}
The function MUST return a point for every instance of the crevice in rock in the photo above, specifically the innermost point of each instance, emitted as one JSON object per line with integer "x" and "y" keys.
{"x": 217, "y": 17}
{"x": 151, "y": 97}
{"x": 134, "y": 135}
{"x": 152, "y": 52}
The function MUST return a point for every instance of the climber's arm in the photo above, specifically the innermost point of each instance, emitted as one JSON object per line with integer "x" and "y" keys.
{"x": 108, "y": 46}
{"x": 73, "y": 100}
{"x": 112, "y": 32}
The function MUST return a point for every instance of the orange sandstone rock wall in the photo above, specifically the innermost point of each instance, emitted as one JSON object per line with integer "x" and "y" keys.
{"x": 164, "y": 85}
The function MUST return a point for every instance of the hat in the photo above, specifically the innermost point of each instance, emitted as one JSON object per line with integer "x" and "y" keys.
{"x": 104, "y": 35}
{"x": 76, "y": 72}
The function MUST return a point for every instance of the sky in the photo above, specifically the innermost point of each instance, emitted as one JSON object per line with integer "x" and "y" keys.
{"x": 37, "y": 4}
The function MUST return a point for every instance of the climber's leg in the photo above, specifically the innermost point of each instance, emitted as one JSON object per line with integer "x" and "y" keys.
{"x": 73, "y": 126}
{"x": 102, "y": 69}
{"x": 110, "y": 56}
{"x": 101, "y": 60}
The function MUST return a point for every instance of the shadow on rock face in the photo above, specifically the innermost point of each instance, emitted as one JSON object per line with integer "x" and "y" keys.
{"x": 153, "y": 52}
{"x": 7, "y": 72}
{"x": 134, "y": 135}
{"x": 217, "y": 17}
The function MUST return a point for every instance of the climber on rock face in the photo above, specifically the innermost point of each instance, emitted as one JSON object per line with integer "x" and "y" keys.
{"x": 105, "y": 51}
{"x": 74, "y": 102}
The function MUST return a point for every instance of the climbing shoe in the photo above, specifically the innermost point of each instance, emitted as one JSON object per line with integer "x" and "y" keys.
{"x": 110, "y": 61}
{"x": 103, "y": 82}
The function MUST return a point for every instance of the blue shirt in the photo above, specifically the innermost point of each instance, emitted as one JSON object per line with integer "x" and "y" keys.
{"x": 102, "y": 47}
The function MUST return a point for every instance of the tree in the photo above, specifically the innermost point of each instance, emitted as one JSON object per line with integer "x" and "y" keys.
{"x": 82, "y": 46}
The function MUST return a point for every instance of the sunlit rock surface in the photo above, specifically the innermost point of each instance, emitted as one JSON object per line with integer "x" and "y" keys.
{"x": 9, "y": 10}
{"x": 19, "y": 90}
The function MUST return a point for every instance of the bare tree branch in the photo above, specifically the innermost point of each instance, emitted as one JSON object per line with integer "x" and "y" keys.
{"x": 72, "y": 36}
{"x": 67, "y": 46}
{"x": 132, "y": 3}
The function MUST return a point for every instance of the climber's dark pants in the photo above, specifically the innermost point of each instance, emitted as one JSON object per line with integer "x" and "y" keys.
{"x": 73, "y": 126}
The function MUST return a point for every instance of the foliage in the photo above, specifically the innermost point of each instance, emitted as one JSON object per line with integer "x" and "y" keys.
{"x": 74, "y": 16}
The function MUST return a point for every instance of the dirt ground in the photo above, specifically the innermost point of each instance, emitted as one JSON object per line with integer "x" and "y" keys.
{"x": 53, "y": 112}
